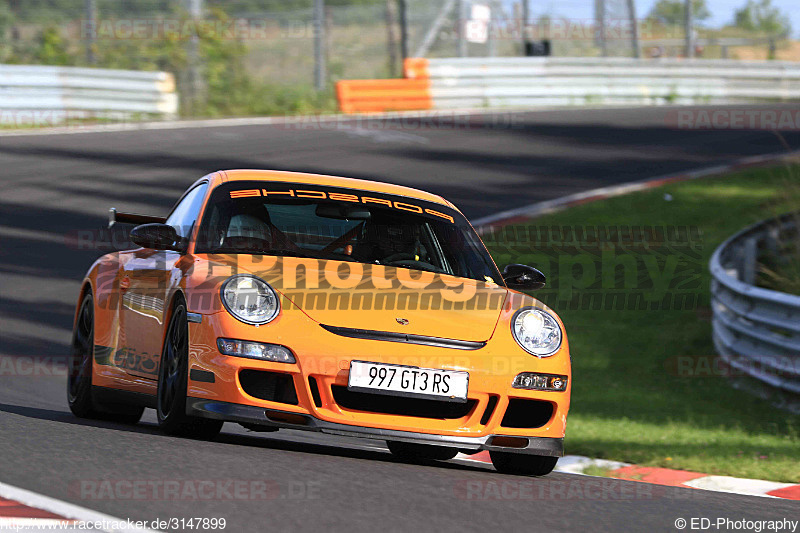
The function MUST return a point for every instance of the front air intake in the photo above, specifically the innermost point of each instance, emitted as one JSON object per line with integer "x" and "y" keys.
{"x": 527, "y": 414}
{"x": 269, "y": 386}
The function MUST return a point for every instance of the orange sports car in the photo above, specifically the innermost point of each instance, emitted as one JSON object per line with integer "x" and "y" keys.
{"x": 341, "y": 306}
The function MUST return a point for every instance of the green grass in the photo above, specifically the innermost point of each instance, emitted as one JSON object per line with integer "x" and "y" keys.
{"x": 628, "y": 402}
{"x": 598, "y": 471}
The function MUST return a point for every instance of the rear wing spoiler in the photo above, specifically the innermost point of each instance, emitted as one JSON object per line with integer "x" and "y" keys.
{"x": 132, "y": 218}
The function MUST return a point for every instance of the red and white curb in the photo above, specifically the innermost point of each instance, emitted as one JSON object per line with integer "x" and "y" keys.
{"x": 577, "y": 464}
{"x": 519, "y": 215}
{"x": 23, "y": 510}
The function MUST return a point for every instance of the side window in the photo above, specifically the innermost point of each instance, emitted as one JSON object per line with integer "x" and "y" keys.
{"x": 185, "y": 214}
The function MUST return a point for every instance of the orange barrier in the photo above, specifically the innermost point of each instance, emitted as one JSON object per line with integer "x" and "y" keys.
{"x": 416, "y": 68}
{"x": 365, "y": 96}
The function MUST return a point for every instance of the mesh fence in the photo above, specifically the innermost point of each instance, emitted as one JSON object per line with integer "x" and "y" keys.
{"x": 362, "y": 40}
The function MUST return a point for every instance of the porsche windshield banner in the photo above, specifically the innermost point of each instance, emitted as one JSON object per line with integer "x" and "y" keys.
{"x": 330, "y": 195}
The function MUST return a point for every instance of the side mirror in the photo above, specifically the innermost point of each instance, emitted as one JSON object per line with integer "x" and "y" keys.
{"x": 157, "y": 237}
{"x": 523, "y": 278}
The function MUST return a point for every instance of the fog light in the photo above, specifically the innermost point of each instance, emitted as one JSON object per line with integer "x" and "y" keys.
{"x": 255, "y": 350}
{"x": 545, "y": 382}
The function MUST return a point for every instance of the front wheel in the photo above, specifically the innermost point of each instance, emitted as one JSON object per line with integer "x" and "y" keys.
{"x": 172, "y": 383}
{"x": 522, "y": 464}
{"x": 420, "y": 452}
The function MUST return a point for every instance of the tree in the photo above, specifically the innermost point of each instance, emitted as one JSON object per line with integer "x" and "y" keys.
{"x": 762, "y": 16}
{"x": 6, "y": 23}
{"x": 53, "y": 49}
{"x": 671, "y": 12}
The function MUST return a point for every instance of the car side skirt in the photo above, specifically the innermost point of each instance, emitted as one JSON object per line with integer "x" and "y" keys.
{"x": 106, "y": 396}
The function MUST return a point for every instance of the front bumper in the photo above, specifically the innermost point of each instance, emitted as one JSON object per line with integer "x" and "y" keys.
{"x": 322, "y": 370}
{"x": 248, "y": 414}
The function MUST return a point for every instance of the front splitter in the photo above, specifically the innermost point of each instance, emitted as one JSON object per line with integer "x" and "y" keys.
{"x": 248, "y": 414}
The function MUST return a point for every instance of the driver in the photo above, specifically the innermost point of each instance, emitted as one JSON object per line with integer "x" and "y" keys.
{"x": 385, "y": 243}
{"x": 251, "y": 222}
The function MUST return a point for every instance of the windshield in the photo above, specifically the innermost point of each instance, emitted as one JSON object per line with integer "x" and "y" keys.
{"x": 331, "y": 223}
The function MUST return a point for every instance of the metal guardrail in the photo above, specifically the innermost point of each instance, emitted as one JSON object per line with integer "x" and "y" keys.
{"x": 85, "y": 91}
{"x": 529, "y": 82}
{"x": 756, "y": 331}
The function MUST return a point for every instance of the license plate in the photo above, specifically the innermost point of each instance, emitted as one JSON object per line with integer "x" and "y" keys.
{"x": 448, "y": 385}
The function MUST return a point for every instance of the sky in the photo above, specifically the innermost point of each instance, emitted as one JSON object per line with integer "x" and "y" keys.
{"x": 722, "y": 11}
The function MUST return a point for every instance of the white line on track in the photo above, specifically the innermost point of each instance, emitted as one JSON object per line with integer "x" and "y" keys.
{"x": 303, "y": 122}
{"x": 557, "y": 204}
{"x": 58, "y": 507}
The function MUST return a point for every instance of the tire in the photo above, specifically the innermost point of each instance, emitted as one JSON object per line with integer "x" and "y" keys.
{"x": 420, "y": 452}
{"x": 79, "y": 377}
{"x": 522, "y": 464}
{"x": 173, "y": 374}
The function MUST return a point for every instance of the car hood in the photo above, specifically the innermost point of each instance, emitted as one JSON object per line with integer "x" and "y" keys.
{"x": 379, "y": 298}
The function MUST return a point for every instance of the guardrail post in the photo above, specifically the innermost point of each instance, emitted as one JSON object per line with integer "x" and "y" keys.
{"x": 749, "y": 258}
{"x": 601, "y": 20}
{"x": 91, "y": 23}
{"x": 391, "y": 34}
{"x": 634, "y": 28}
{"x": 404, "y": 28}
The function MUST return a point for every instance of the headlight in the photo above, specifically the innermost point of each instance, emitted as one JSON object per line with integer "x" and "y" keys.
{"x": 250, "y": 299}
{"x": 536, "y": 331}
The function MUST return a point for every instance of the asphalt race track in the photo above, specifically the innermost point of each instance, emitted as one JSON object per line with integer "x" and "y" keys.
{"x": 54, "y": 185}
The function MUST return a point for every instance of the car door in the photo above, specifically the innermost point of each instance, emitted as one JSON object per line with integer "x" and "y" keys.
{"x": 145, "y": 287}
